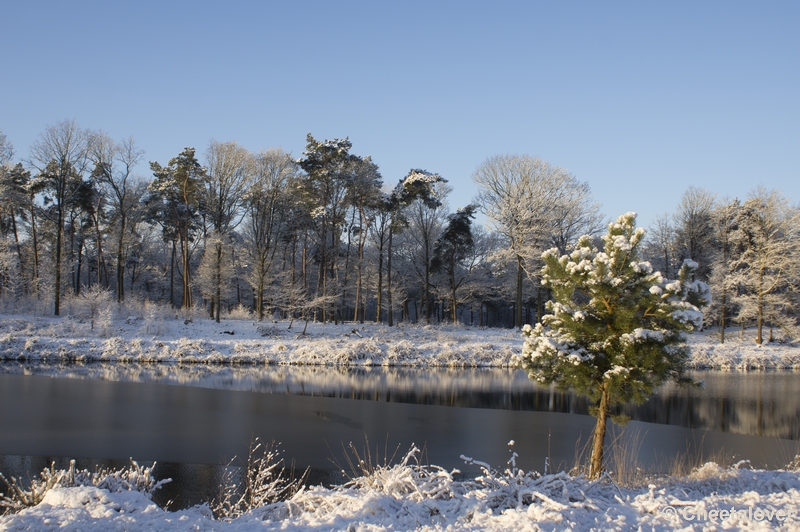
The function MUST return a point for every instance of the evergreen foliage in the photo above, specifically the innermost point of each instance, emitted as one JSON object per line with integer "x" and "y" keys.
{"x": 452, "y": 249}
{"x": 614, "y": 330}
{"x": 176, "y": 202}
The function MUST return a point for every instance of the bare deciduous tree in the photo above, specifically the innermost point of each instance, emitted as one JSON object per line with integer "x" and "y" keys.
{"x": 229, "y": 176}
{"x": 533, "y": 205}
{"x": 267, "y": 206}
{"x": 766, "y": 266}
{"x": 61, "y": 155}
{"x": 694, "y": 229}
{"x": 114, "y": 164}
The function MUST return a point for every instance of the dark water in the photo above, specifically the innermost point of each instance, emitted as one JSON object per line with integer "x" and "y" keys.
{"x": 192, "y": 419}
{"x": 762, "y": 403}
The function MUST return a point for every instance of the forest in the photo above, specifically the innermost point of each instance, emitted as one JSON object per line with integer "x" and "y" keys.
{"x": 324, "y": 237}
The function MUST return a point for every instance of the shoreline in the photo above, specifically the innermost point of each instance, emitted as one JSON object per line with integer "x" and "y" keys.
{"x": 161, "y": 340}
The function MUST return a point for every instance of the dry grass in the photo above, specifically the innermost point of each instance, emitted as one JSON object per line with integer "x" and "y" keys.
{"x": 622, "y": 461}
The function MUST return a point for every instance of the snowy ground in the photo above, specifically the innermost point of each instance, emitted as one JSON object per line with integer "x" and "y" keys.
{"x": 174, "y": 338}
{"x": 402, "y": 497}
{"x": 410, "y": 497}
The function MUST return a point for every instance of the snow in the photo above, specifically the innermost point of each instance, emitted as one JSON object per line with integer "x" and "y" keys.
{"x": 175, "y": 339}
{"x": 409, "y": 496}
{"x": 405, "y": 496}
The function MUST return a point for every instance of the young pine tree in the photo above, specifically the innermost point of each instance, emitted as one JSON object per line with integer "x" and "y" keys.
{"x": 614, "y": 331}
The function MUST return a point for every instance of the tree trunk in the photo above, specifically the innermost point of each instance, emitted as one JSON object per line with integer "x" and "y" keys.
{"x": 35, "y": 279}
{"x": 379, "y": 298}
{"x": 453, "y": 305}
{"x": 77, "y": 273}
{"x": 539, "y": 302}
{"x": 760, "y": 322}
{"x": 518, "y": 300}
{"x": 121, "y": 262}
{"x": 187, "y": 286}
{"x": 99, "y": 238}
{"x": 346, "y": 278}
{"x": 59, "y": 238}
{"x": 722, "y": 316}
{"x": 19, "y": 251}
{"x": 357, "y": 304}
{"x": 218, "y": 302}
{"x": 389, "y": 279}
{"x": 596, "y": 466}
{"x": 260, "y": 290}
{"x": 172, "y": 276}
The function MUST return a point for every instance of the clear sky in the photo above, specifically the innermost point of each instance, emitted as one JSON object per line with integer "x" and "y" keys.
{"x": 639, "y": 99}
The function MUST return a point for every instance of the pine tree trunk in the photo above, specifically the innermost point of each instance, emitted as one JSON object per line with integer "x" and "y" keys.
{"x": 596, "y": 466}
{"x": 389, "y": 279}
{"x": 518, "y": 300}
{"x": 35, "y": 279}
{"x": 187, "y": 286}
{"x": 357, "y": 303}
{"x": 379, "y": 294}
{"x": 59, "y": 239}
{"x": 172, "y": 276}
{"x": 19, "y": 251}
{"x": 453, "y": 309}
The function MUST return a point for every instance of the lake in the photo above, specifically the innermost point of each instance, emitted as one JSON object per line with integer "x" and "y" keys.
{"x": 193, "y": 418}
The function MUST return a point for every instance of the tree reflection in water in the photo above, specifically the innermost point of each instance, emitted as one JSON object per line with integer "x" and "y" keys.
{"x": 761, "y": 403}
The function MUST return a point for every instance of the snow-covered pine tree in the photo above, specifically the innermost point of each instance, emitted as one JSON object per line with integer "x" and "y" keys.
{"x": 614, "y": 331}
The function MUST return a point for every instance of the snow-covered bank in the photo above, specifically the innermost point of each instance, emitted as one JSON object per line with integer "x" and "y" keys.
{"x": 241, "y": 341}
{"x": 248, "y": 342}
{"x": 741, "y": 353}
{"x": 410, "y": 497}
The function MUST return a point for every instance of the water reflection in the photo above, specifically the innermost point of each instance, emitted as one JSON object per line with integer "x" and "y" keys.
{"x": 765, "y": 403}
{"x": 182, "y": 426}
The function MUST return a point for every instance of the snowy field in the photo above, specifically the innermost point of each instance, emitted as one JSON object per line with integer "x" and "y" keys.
{"x": 404, "y": 496}
{"x": 176, "y": 338}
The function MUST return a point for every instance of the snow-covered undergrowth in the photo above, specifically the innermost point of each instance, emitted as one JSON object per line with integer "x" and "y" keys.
{"x": 172, "y": 338}
{"x": 200, "y": 340}
{"x": 741, "y": 353}
{"x": 176, "y": 338}
{"x": 16, "y": 495}
{"x": 410, "y": 496}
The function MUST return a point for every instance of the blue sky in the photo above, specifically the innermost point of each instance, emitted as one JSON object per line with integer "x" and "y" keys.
{"x": 639, "y": 99}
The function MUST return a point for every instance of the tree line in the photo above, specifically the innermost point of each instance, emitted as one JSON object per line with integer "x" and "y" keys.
{"x": 748, "y": 251}
{"x": 324, "y": 237}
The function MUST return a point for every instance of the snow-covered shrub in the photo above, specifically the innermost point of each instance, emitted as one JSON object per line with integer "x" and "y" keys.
{"x": 155, "y": 318}
{"x": 105, "y": 321}
{"x": 92, "y": 301}
{"x": 794, "y": 465}
{"x": 262, "y": 481}
{"x": 240, "y": 312}
{"x": 131, "y": 478}
{"x": 407, "y": 479}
